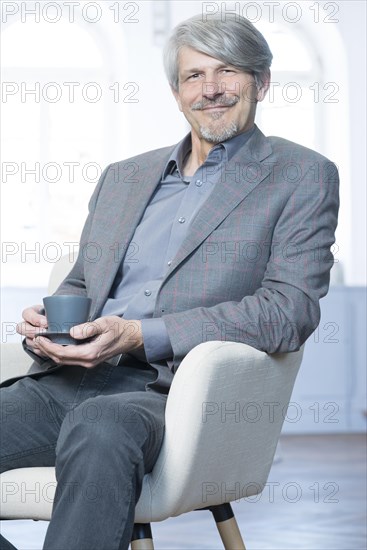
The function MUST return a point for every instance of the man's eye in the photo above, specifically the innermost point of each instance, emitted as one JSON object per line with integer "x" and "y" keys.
{"x": 195, "y": 75}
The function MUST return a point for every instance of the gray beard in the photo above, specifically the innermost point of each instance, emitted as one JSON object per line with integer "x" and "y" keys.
{"x": 218, "y": 135}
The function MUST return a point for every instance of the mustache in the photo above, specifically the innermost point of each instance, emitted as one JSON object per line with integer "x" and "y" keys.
{"x": 220, "y": 101}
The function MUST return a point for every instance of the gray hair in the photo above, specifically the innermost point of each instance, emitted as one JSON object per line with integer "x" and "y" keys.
{"x": 234, "y": 41}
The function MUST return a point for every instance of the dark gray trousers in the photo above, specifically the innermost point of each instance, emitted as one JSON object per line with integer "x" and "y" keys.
{"x": 102, "y": 428}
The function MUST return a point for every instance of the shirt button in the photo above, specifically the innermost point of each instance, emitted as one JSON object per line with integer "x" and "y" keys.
{"x": 147, "y": 292}
{"x": 182, "y": 220}
{"x": 169, "y": 263}
{"x": 199, "y": 183}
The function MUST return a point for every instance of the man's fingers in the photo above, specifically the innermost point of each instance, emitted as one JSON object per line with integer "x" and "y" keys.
{"x": 22, "y": 328}
{"x": 86, "y": 330}
{"x": 26, "y": 329}
{"x": 31, "y": 343}
{"x": 84, "y": 355}
{"x": 33, "y": 316}
{"x": 53, "y": 351}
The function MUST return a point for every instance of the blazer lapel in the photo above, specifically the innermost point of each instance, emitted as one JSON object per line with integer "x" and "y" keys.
{"x": 126, "y": 208}
{"x": 242, "y": 174}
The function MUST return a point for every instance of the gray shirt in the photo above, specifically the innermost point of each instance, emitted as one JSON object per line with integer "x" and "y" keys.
{"x": 159, "y": 235}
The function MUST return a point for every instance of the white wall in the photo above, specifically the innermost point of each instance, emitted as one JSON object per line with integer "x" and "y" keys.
{"x": 352, "y": 29}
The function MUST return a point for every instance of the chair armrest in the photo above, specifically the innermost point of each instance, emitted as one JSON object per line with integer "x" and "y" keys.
{"x": 14, "y": 361}
{"x": 27, "y": 493}
{"x": 224, "y": 414}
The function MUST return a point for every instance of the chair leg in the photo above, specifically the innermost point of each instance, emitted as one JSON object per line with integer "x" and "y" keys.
{"x": 227, "y": 527}
{"x": 141, "y": 538}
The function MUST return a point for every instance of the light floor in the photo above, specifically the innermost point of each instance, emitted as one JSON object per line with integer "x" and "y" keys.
{"x": 315, "y": 499}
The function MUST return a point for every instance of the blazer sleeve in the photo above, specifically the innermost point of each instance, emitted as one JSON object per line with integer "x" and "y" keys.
{"x": 284, "y": 310}
{"x": 74, "y": 283}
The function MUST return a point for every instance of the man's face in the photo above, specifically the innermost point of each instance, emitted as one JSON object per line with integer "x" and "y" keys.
{"x": 218, "y": 100}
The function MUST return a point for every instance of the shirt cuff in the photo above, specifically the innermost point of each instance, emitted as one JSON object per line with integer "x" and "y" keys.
{"x": 157, "y": 344}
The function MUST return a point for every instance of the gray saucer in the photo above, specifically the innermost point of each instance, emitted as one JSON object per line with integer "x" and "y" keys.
{"x": 64, "y": 338}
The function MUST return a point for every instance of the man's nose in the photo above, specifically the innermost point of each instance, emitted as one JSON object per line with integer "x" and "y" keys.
{"x": 213, "y": 87}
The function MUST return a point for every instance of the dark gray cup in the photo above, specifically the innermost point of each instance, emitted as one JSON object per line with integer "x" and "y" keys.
{"x": 64, "y": 312}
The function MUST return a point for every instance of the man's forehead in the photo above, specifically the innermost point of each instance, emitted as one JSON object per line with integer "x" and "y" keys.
{"x": 189, "y": 58}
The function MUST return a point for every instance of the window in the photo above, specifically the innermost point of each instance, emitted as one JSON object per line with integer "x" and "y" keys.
{"x": 290, "y": 98}
{"x": 54, "y": 143}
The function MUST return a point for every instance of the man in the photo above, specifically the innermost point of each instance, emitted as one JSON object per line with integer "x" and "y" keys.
{"x": 225, "y": 236}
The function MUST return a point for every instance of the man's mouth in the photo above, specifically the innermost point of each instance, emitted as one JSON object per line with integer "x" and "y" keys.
{"x": 215, "y": 106}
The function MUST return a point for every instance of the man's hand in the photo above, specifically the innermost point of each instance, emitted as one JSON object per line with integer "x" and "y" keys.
{"x": 110, "y": 336}
{"x": 33, "y": 324}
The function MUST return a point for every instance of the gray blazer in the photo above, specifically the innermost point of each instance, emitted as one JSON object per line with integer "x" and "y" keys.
{"x": 256, "y": 259}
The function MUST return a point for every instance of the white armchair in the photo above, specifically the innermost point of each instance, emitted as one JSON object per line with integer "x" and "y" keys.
{"x": 224, "y": 414}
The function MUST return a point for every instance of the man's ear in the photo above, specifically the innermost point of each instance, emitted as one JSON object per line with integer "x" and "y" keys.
{"x": 177, "y": 98}
{"x": 265, "y": 80}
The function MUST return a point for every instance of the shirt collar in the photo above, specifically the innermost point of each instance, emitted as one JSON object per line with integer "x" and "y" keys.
{"x": 183, "y": 148}
{"x": 177, "y": 157}
{"x": 233, "y": 145}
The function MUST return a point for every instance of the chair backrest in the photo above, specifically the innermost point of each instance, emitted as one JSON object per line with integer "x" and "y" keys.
{"x": 60, "y": 270}
{"x": 225, "y": 410}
